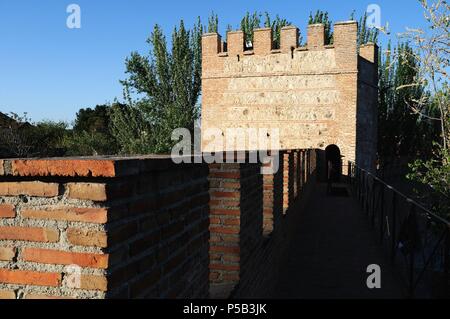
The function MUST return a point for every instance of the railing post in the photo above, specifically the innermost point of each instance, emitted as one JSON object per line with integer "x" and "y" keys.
{"x": 394, "y": 226}
{"x": 381, "y": 221}
{"x": 349, "y": 171}
{"x": 447, "y": 261}
{"x": 366, "y": 193}
{"x": 411, "y": 255}
{"x": 374, "y": 188}
{"x": 363, "y": 190}
{"x": 363, "y": 187}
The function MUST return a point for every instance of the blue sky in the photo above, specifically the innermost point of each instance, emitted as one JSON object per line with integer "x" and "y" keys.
{"x": 51, "y": 71}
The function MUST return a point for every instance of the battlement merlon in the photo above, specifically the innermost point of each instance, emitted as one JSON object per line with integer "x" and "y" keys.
{"x": 211, "y": 44}
{"x": 235, "y": 43}
{"x": 316, "y": 37}
{"x": 288, "y": 38}
{"x": 369, "y": 51}
{"x": 346, "y": 45}
{"x": 345, "y": 37}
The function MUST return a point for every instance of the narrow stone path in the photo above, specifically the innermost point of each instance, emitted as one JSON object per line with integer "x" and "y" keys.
{"x": 330, "y": 252}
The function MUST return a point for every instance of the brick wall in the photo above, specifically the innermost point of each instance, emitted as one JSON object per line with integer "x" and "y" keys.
{"x": 367, "y": 123}
{"x": 251, "y": 223}
{"x": 133, "y": 227}
{"x": 145, "y": 227}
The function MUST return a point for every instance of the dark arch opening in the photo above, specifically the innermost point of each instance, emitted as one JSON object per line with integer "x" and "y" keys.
{"x": 333, "y": 163}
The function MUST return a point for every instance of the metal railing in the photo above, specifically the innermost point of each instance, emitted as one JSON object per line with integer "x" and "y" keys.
{"x": 416, "y": 240}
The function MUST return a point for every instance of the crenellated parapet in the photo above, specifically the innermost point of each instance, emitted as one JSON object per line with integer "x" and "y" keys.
{"x": 345, "y": 41}
{"x": 311, "y": 92}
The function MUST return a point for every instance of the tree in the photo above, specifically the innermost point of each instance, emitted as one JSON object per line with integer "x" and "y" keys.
{"x": 22, "y": 138}
{"x": 213, "y": 23}
{"x": 276, "y": 25}
{"x": 431, "y": 62}
{"x": 400, "y": 130}
{"x": 92, "y": 120}
{"x": 366, "y": 34}
{"x": 91, "y": 134}
{"x": 161, "y": 92}
{"x": 131, "y": 130}
{"x": 431, "y": 56}
{"x": 15, "y": 137}
{"x": 47, "y": 137}
{"x": 249, "y": 23}
{"x": 435, "y": 174}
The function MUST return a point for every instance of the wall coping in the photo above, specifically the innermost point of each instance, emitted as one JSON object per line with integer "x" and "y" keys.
{"x": 102, "y": 166}
{"x": 96, "y": 166}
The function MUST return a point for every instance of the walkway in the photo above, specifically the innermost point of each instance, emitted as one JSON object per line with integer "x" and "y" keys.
{"x": 330, "y": 253}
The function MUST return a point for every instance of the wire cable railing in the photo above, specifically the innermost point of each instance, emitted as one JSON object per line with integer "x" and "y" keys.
{"x": 416, "y": 240}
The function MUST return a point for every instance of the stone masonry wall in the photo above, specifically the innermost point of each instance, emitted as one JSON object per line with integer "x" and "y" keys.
{"x": 131, "y": 228}
{"x": 311, "y": 94}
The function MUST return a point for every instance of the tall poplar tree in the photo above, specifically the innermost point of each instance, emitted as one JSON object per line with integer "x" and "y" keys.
{"x": 161, "y": 92}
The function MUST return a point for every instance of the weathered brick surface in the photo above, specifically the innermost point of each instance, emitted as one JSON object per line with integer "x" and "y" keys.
{"x": 7, "y": 294}
{"x": 72, "y": 214}
{"x": 103, "y": 168}
{"x": 226, "y": 196}
{"x": 30, "y": 278}
{"x": 131, "y": 227}
{"x": 83, "y": 237}
{"x": 7, "y": 211}
{"x": 7, "y": 253}
{"x": 45, "y": 235}
{"x": 29, "y": 188}
{"x": 91, "y": 282}
{"x": 44, "y": 297}
{"x": 89, "y": 191}
{"x": 247, "y": 240}
{"x": 49, "y": 256}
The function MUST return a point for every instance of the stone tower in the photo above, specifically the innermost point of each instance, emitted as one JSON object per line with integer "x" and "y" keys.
{"x": 317, "y": 95}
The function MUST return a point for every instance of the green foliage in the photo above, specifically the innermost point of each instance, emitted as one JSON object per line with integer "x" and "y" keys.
{"x": 276, "y": 25}
{"x": 47, "y": 137}
{"x": 322, "y": 17}
{"x": 401, "y": 132}
{"x": 161, "y": 92}
{"x": 253, "y": 21}
{"x": 352, "y": 16}
{"x": 91, "y": 133}
{"x": 366, "y": 34}
{"x": 92, "y": 120}
{"x": 213, "y": 23}
{"x": 435, "y": 173}
{"x": 248, "y": 23}
{"x": 430, "y": 58}
{"x": 22, "y": 138}
{"x": 131, "y": 130}
{"x": 88, "y": 144}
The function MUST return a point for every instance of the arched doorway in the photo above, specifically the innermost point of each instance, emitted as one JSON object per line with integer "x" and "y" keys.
{"x": 333, "y": 163}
